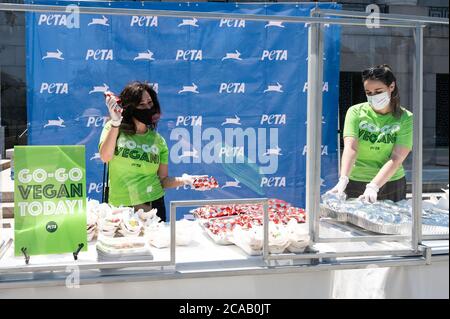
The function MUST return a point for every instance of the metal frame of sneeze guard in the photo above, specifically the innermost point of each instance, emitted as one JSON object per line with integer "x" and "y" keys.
{"x": 315, "y": 68}
{"x": 263, "y": 201}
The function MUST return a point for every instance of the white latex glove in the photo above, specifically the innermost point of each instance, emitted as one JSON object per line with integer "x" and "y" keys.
{"x": 115, "y": 111}
{"x": 188, "y": 179}
{"x": 340, "y": 186}
{"x": 370, "y": 194}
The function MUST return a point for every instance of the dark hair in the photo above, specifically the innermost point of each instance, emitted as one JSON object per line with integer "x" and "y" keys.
{"x": 383, "y": 73}
{"x": 131, "y": 97}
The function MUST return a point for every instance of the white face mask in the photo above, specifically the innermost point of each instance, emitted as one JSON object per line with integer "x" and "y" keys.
{"x": 379, "y": 101}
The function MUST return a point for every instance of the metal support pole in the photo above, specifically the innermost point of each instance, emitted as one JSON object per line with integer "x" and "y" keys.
{"x": 266, "y": 231}
{"x": 173, "y": 240}
{"x": 314, "y": 127}
{"x": 383, "y": 16}
{"x": 417, "y": 139}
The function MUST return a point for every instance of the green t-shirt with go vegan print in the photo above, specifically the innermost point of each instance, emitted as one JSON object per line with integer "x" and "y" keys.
{"x": 133, "y": 177}
{"x": 377, "y": 135}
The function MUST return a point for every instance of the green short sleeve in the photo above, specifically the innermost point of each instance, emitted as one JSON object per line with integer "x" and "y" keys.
{"x": 351, "y": 125}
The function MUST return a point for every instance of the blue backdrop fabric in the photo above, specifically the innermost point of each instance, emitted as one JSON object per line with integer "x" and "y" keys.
{"x": 233, "y": 92}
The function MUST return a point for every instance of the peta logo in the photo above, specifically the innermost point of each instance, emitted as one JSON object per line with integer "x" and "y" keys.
{"x": 99, "y": 55}
{"x": 97, "y": 121}
{"x": 59, "y": 123}
{"x": 189, "y": 55}
{"x": 273, "y": 119}
{"x": 324, "y": 150}
{"x": 99, "y": 21}
{"x": 275, "y": 55}
{"x": 53, "y": 55}
{"x": 236, "y": 120}
{"x": 234, "y": 184}
{"x": 232, "y": 56}
{"x": 274, "y": 88}
{"x": 232, "y": 88}
{"x": 324, "y": 87}
{"x": 69, "y": 21}
{"x": 54, "y": 88}
{"x": 191, "y": 89}
{"x": 192, "y": 120}
{"x": 232, "y": 23}
{"x": 189, "y": 22}
{"x": 279, "y": 181}
{"x": 95, "y": 188}
{"x": 144, "y": 21}
{"x": 99, "y": 89}
{"x": 278, "y": 24}
{"x": 147, "y": 55}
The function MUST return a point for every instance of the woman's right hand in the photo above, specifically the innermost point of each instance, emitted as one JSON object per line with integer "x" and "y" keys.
{"x": 340, "y": 186}
{"x": 115, "y": 111}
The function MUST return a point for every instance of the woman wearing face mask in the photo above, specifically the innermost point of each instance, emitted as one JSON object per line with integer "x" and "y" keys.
{"x": 136, "y": 154}
{"x": 377, "y": 139}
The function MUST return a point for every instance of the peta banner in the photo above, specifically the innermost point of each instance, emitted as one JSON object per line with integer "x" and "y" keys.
{"x": 233, "y": 92}
{"x": 49, "y": 199}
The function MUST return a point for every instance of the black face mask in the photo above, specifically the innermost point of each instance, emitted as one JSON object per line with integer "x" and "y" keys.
{"x": 145, "y": 116}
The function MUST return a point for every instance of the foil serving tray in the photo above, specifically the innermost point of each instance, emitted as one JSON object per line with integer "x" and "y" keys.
{"x": 380, "y": 228}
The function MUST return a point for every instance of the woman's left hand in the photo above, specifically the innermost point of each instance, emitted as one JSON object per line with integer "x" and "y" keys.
{"x": 370, "y": 194}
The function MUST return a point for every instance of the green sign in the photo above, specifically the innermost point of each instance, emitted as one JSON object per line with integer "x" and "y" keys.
{"x": 49, "y": 199}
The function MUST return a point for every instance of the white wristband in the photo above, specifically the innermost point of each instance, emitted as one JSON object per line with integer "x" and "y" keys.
{"x": 116, "y": 123}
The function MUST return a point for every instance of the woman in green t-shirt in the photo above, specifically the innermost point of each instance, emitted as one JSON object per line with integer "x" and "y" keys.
{"x": 136, "y": 154}
{"x": 377, "y": 139}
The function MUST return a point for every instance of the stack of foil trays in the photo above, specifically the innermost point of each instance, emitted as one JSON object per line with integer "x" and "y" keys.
{"x": 383, "y": 217}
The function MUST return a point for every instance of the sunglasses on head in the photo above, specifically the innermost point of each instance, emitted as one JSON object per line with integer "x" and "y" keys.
{"x": 373, "y": 71}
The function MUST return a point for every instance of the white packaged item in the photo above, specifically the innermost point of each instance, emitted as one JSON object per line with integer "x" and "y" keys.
{"x": 158, "y": 235}
{"x": 130, "y": 227}
{"x": 122, "y": 248}
{"x": 278, "y": 238}
{"x": 298, "y": 234}
{"x": 250, "y": 241}
{"x": 143, "y": 215}
{"x": 184, "y": 232}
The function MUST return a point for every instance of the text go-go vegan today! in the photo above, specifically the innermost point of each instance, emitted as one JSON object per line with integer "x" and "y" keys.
{"x": 41, "y": 185}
